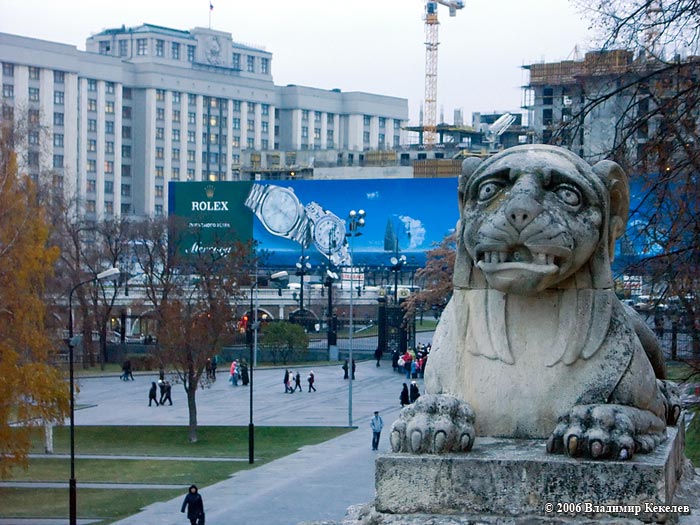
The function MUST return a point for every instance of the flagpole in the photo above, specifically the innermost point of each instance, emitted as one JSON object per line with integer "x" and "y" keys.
{"x": 211, "y": 8}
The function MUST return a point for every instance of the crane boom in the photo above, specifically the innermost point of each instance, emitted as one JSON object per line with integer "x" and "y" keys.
{"x": 431, "y": 66}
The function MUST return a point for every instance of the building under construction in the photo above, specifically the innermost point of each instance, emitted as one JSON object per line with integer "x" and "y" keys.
{"x": 559, "y": 94}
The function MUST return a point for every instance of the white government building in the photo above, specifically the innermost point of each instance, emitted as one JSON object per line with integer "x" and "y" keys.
{"x": 146, "y": 105}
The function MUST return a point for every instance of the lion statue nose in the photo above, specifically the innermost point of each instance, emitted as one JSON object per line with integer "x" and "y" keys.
{"x": 521, "y": 211}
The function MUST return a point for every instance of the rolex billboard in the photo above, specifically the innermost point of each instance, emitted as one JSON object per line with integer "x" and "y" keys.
{"x": 286, "y": 218}
{"x": 213, "y": 214}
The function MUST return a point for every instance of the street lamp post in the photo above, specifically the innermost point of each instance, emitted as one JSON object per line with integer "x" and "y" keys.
{"x": 331, "y": 330}
{"x": 72, "y": 485}
{"x": 356, "y": 221}
{"x": 303, "y": 266}
{"x": 396, "y": 265}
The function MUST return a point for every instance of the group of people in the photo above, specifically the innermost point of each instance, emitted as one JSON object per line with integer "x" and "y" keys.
{"x": 290, "y": 377}
{"x": 347, "y": 368}
{"x": 412, "y": 362}
{"x": 165, "y": 392}
{"x": 239, "y": 372}
{"x": 409, "y": 395}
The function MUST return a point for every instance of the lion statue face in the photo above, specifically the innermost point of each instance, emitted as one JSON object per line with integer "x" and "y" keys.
{"x": 533, "y": 217}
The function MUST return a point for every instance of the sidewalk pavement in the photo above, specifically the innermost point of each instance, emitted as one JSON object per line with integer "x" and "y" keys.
{"x": 316, "y": 483}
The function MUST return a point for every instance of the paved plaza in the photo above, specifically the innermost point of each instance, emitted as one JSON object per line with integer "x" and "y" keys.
{"x": 318, "y": 482}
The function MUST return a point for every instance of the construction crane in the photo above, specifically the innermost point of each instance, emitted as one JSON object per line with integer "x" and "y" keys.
{"x": 431, "y": 66}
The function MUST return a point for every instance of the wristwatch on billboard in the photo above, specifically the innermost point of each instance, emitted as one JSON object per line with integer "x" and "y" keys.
{"x": 280, "y": 212}
{"x": 328, "y": 233}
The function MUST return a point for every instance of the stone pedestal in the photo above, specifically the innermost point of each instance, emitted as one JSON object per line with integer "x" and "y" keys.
{"x": 506, "y": 477}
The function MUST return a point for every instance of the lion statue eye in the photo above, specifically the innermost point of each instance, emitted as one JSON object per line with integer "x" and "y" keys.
{"x": 568, "y": 195}
{"x": 488, "y": 189}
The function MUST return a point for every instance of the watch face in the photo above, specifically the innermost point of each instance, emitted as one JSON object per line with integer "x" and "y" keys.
{"x": 280, "y": 211}
{"x": 329, "y": 234}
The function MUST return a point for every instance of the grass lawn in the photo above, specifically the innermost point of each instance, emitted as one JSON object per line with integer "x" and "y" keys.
{"x": 110, "y": 505}
{"x": 692, "y": 439}
{"x": 113, "y": 504}
{"x": 270, "y": 442}
{"x": 678, "y": 371}
{"x": 130, "y": 471}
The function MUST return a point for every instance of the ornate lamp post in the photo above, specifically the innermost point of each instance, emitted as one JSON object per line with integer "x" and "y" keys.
{"x": 72, "y": 486}
{"x": 355, "y": 222}
{"x": 302, "y": 268}
{"x": 396, "y": 265}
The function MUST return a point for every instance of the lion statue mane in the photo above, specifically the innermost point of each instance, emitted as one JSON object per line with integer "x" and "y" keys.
{"x": 534, "y": 343}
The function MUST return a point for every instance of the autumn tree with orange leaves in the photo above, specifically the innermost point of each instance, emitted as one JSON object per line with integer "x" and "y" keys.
{"x": 435, "y": 280}
{"x": 31, "y": 389}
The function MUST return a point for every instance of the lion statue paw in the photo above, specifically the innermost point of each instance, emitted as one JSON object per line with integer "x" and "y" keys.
{"x": 435, "y": 424}
{"x": 605, "y": 432}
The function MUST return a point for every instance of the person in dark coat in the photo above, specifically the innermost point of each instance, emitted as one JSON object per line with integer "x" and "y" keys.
{"x": 311, "y": 380}
{"x": 152, "y": 394}
{"x": 195, "y": 506}
{"x": 297, "y": 383}
{"x": 161, "y": 386}
{"x": 353, "y": 369}
{"x": 414, "y": 393}
{"x": 245, "y": 379}
{"x": 378, "y": 356}
{"x": 345, "y": 369}
{"x": 168, "y": 389}
{"x": 404, "y": 396}
{"x": 126, "y": 368}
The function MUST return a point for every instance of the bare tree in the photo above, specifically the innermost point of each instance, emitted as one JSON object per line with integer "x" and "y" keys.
{"x": 193, "y": 296}
{"x": 654, "y": 96}
{"x": 435, "y": 280}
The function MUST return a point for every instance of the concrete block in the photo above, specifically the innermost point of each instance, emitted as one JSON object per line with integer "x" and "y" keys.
{"x": 509, "y": 477}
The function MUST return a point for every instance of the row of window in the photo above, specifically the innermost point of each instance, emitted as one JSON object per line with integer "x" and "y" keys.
{"x": 8, "y": 70}
{"x": 91, "y": 205}
{"x": 250, "y": 63}
{"x": 125, "y": 48}
{"x": 175, "y": 52}
{"x": 208, "y": 120}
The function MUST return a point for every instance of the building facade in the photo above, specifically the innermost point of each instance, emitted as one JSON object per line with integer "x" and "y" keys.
{"x": 608, "y": 99}
{"x": 145, "y": 105}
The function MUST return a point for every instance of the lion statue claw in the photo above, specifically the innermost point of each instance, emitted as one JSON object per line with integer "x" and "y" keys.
{"x": 534, "y": 342}
{"x": 434, "y": 424}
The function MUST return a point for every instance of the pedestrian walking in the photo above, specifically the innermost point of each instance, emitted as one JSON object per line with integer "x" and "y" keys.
{"x": 376, "y": 424}
{"x": 345, "y": 369}
{"x": 404, "y": 396}
{"x": 353, "y": 369}
{"x": 245, "y": 379}
{"x": 168, "y": 390}
{"x": 311, "y": 380}
{"x": 414, "y": 393}
{"x": 126, "y": 369}
{"x": 297, "y": 383}
{"x": 195, "y": 506}
{"x": 234, "y": 373}
{"x": 287, "y": 381}
{"x": 152, "y": 394}
{"x": 378, "y": 356}
{"x": 213, "y": 368}
{"x": 161, "y": 387}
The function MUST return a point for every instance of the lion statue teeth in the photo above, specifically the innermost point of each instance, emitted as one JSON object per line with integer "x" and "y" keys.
{"x": 534, "y": 342}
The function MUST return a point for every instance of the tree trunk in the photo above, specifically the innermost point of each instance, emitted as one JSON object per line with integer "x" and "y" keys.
{"x": 191, "y": 390}
{"x": 103, "y": 346}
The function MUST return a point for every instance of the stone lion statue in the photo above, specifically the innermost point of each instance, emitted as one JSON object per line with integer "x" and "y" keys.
{"x": 534, "y": 342}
